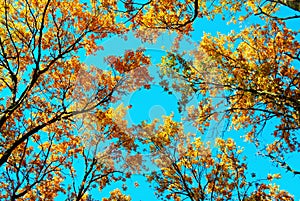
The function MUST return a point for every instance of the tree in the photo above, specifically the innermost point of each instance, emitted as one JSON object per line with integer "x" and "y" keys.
{"x": 250, "y": 78}
{"x": 190, "y": 169}
{"x": 51, "y": 101}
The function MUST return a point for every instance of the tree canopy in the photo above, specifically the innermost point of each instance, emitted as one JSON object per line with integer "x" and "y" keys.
{"x": 64, "y": 132}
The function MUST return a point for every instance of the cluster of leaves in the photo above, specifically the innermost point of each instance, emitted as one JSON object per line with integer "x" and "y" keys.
{"x": 116, "y": 195}
{"x": 262, "y": 79}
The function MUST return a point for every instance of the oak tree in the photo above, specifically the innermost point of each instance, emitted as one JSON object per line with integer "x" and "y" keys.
{"x": 250, "y": 78}
{"x": 55, "y": 110}
{"x": 190, "y": 169}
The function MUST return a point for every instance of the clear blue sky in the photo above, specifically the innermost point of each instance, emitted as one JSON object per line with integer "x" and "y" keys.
{"x": 149, "y": 104}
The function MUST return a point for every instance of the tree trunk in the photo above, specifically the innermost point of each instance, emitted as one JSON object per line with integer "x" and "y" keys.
{"x": 293, "y": 4}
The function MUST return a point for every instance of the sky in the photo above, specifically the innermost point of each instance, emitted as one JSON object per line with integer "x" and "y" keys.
{"x": 153, "y": 103}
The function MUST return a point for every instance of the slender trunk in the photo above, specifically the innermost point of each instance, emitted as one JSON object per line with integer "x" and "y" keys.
{"x": 293, "y": 4}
